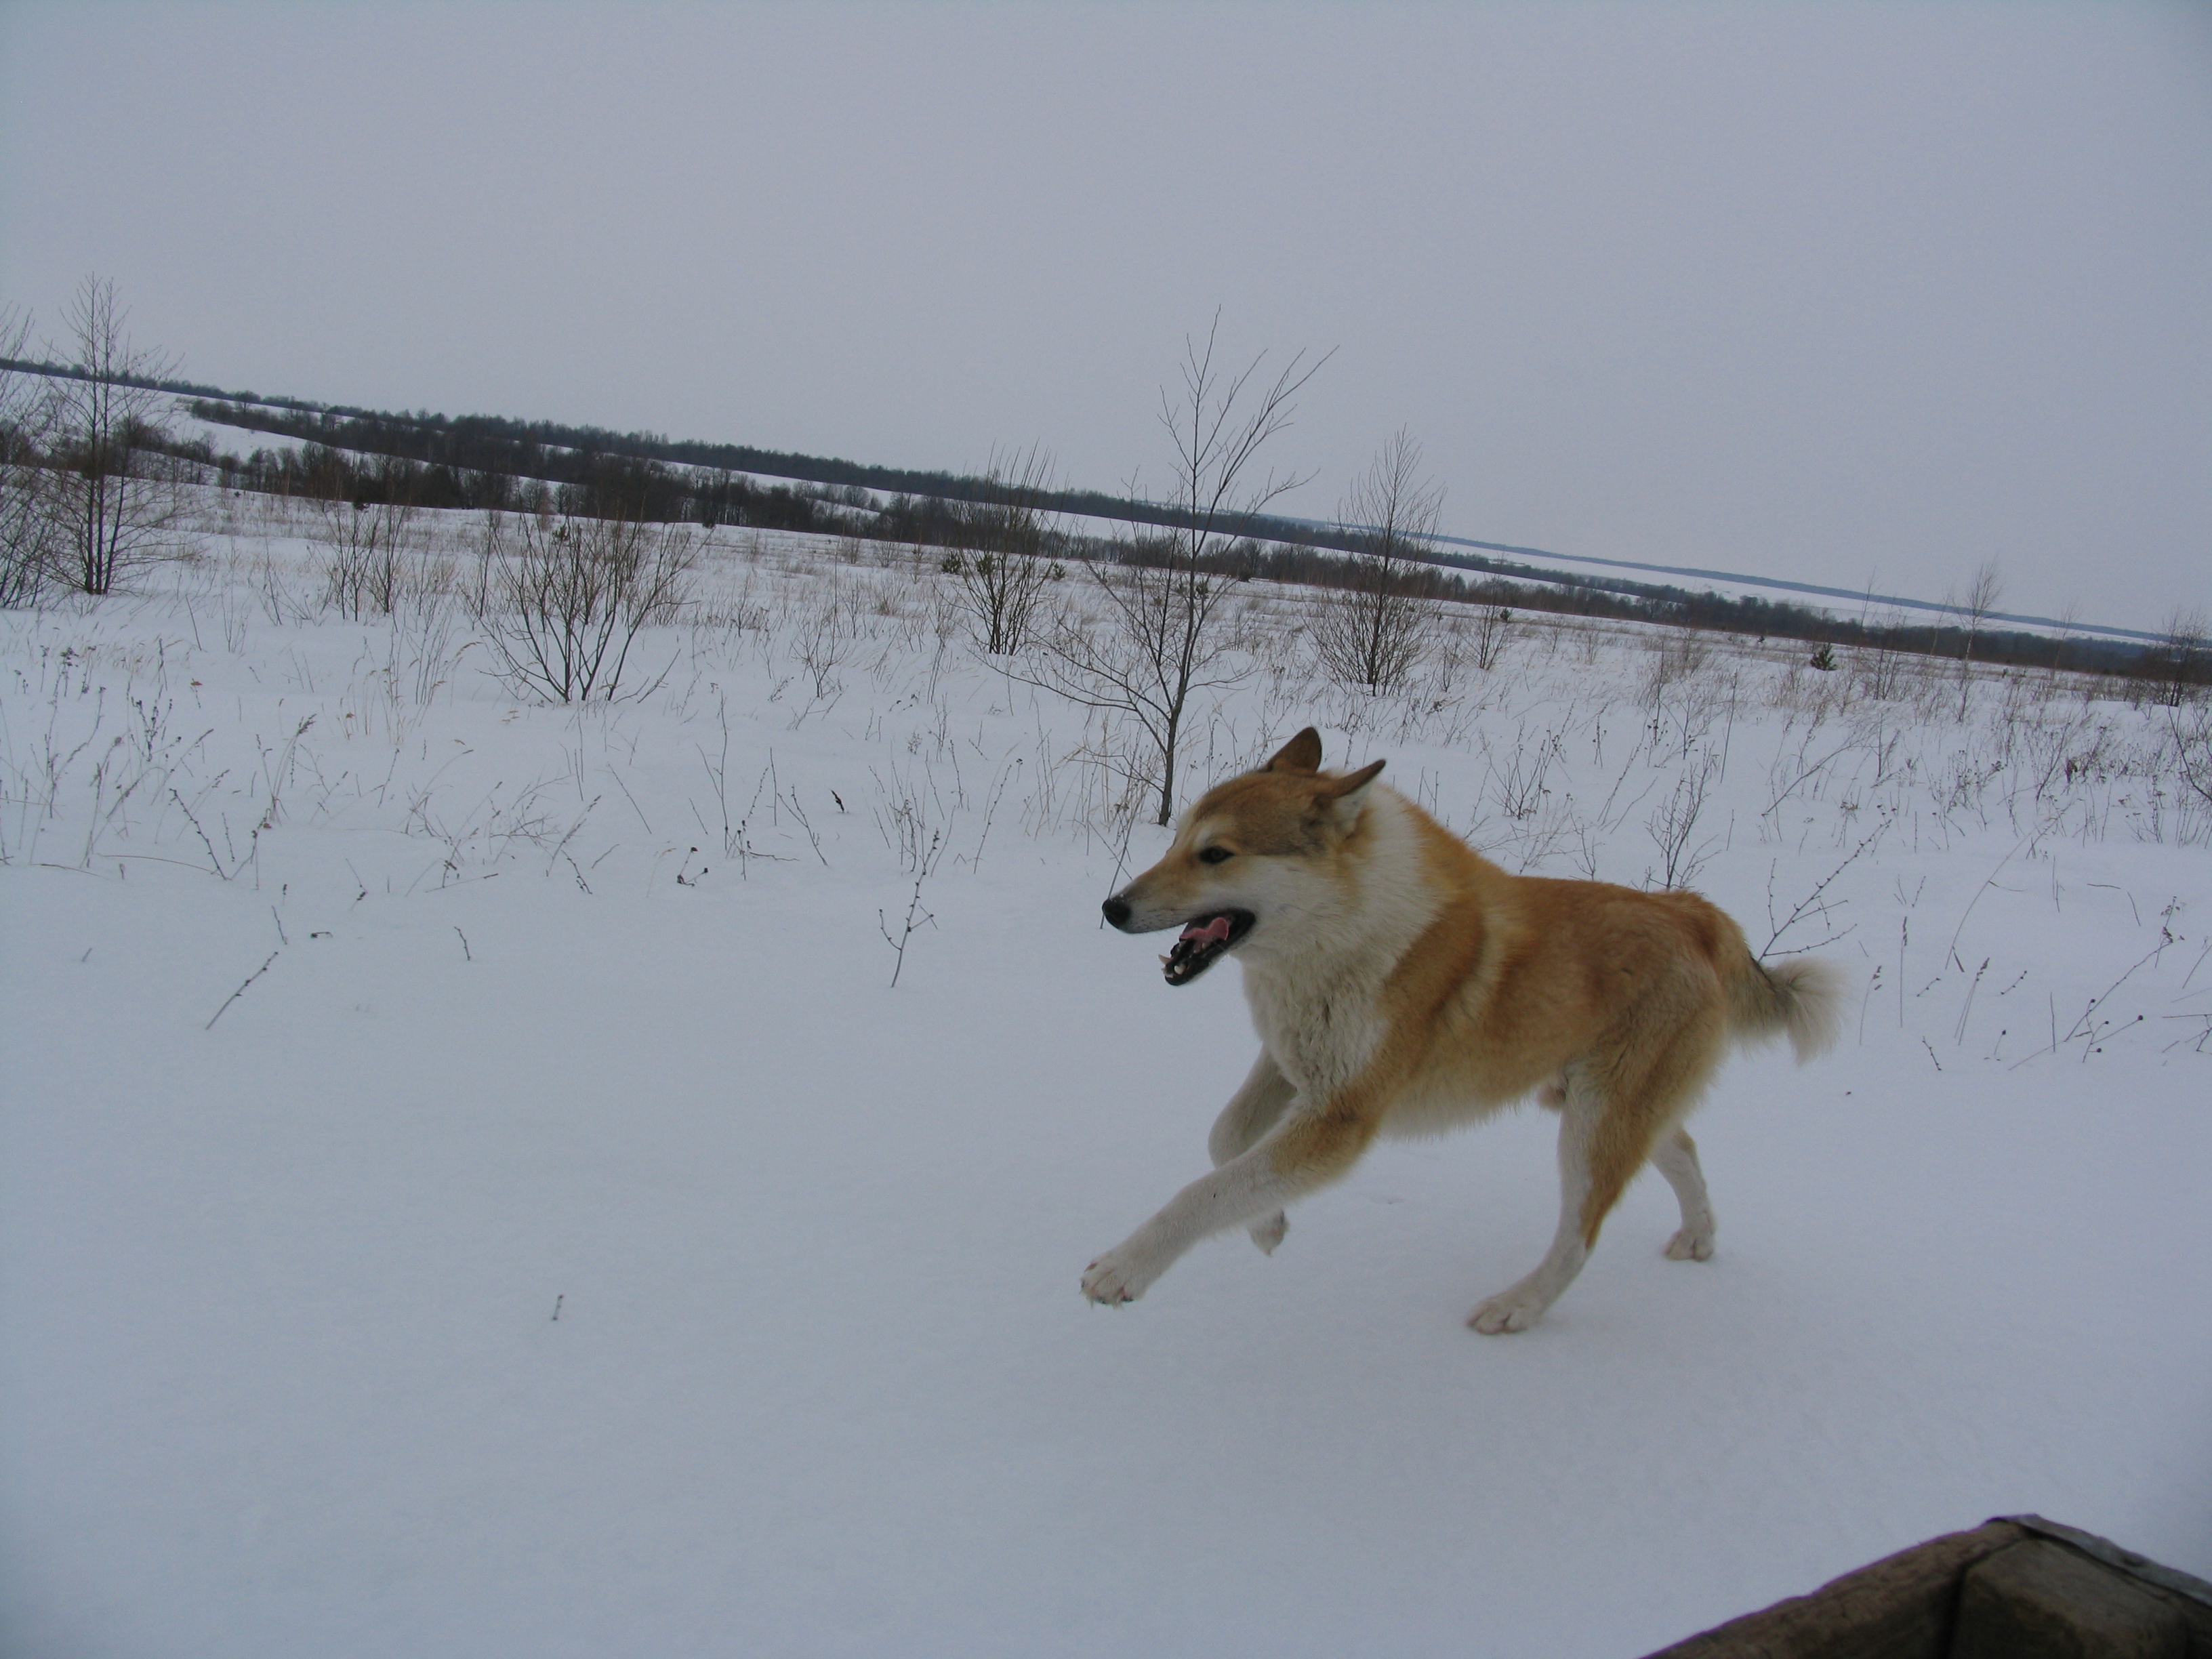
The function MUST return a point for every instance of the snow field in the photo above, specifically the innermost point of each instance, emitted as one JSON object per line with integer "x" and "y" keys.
{"x": 589, "y": 1010}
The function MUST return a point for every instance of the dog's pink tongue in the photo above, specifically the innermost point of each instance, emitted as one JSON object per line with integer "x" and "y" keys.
{"x": 1216, "y": 929}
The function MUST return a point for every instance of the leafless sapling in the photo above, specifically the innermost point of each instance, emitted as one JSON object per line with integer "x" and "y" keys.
{"x": 1162, "y": 639}
{"x": 1984, "y": 593}
{"x": 110, "y": 516}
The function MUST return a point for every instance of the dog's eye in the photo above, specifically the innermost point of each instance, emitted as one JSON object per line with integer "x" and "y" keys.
{"x": 1215, "y": 855}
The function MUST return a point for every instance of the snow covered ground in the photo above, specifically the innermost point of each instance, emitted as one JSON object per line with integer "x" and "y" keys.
{"x": 588, "y": 1015}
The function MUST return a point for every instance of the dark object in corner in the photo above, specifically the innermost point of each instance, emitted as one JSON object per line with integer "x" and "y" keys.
{"x": 2016, "y": 1588}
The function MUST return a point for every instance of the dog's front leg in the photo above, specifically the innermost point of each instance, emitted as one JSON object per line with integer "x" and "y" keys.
{"x": 1253, "y": 1110}
{"x": 1305, "y": 1150}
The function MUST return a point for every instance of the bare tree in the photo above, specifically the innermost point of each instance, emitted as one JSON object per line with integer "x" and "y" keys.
{"x": 2070, "y": 617}
{"x": 1161, "y": 641}
{"x": 571, "y": 596}
{"x": 1984, "y": 593}
{"x": 110, "y": 517}
{"x": 1005, "y": 568}
{"x": 1371, "y": 634}
{"x": 27, "y": 522}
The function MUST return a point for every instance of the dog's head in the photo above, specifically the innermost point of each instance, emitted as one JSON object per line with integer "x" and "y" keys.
{"x": 1254, "y": 854}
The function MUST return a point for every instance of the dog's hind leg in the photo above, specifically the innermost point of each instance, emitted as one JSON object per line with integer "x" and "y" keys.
{"x": 1251, "y": 1112}
{"x": 1522, "y": 1305}
{"x": 1675, "y": 1157}
{"x": 1621, "y": 1108}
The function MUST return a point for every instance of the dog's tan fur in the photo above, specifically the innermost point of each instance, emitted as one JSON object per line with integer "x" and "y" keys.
{"x": 1402, "y": 984}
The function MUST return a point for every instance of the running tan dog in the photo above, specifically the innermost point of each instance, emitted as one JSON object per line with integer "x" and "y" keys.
{"x": 1402, "y": 984}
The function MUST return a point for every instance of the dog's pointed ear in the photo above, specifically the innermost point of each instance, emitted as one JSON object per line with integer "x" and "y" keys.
{"x": 1347, "y": 797}
{"x": 1352, "y": 783}
{"x": 1301, "y": 754}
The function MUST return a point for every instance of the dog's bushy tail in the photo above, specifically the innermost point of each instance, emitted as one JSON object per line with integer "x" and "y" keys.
{"x": 1802, "y": 998}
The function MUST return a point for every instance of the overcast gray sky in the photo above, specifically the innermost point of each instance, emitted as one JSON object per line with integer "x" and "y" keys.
{"x": 1837, "y": 293}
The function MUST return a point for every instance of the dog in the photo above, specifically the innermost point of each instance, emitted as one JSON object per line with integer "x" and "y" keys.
{"x": 1402, "y": 984}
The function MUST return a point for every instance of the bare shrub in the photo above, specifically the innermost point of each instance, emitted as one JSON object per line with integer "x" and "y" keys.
{"x": 1880, "y": 671}
{"x": 2180, "y": 657}
{"x": 1371, "y": 633}
{"x": 1676, "y": 656}
{"x": 368, "y": 547}
{"x": 572, "y": 594}
{"x": 2190, "y": 728}
{"x": 1006, "y": 569}
{"x": 1493, "y": 625}
{"x": 826, "y": 633}
{"x": 1673, "y": 826}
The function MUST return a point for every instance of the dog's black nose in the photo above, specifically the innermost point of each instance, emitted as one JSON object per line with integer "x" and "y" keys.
{"x": 1117, "y": 911}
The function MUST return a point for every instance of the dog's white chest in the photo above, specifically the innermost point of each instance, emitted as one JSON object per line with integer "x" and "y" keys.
{"x": 1319, "y": 1037}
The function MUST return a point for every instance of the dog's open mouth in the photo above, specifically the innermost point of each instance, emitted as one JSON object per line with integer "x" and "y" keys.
{"x": 1204, "y": 942}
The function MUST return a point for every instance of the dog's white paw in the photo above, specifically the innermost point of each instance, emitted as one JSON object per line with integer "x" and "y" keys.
{"x": 1117, "y": 1277}
{"x": 1269, "y": 1233}
{"x": 1515, "y": 1309}
{"x": 1691, "y": 1244}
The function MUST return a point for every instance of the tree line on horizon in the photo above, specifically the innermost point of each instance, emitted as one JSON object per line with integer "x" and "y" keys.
{"x": 490, "y": 462}
{"x": 479, "y": 462}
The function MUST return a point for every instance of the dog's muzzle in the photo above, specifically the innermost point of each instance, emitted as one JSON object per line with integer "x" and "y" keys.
{"x": 1205, "y": 940}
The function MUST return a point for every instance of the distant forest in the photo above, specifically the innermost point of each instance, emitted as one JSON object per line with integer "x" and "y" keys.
{"x": 487, "y": 461}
